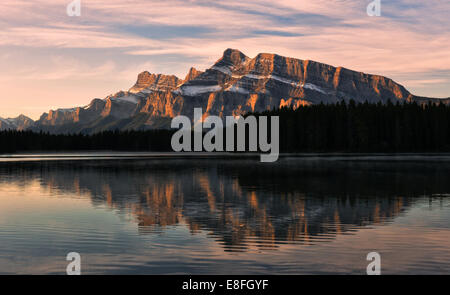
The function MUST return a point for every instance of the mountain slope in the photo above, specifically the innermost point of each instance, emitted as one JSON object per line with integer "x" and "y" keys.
{"x": 234, "y": 85}
{"x": 19, "y": 123}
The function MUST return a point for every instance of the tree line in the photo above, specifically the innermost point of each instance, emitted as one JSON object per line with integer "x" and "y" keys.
{"x": 364, "y": 127}
{"x": 23, "y": 141}
{"x": 341, "y": 127}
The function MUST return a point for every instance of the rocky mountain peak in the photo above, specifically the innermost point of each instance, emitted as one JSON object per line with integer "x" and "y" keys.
{"x": 192, "y": 74}
{"x": 149, "y": 81}
{"x": 23, "y": 118}
{"x": 21, "y": 122}
{"x": 145, "y": 79}
{"x": 234, "y": 85}
{"x": 231, "y": 58}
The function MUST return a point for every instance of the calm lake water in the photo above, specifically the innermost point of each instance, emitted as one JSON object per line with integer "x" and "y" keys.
{"x": 165, "y": 214}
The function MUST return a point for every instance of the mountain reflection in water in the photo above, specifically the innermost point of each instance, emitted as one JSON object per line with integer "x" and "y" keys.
{"x": 243, "y": 202}
{"x": 164, "y": 214}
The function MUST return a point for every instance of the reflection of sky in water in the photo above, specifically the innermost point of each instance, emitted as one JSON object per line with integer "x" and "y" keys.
{"x": 222, "y": 216}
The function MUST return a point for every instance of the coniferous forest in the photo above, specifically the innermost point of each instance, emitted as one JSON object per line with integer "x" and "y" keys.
{"x": 365, "y": 128}
{"x": 342, "y": 127}
{"x": 22, "y": 141}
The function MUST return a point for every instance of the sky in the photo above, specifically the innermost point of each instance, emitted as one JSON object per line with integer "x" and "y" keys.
{"x": 51, "y": 60}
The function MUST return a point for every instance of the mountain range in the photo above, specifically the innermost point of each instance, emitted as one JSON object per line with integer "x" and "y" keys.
{"x": 20, "y": 123}
{"x": 234, "y": 85}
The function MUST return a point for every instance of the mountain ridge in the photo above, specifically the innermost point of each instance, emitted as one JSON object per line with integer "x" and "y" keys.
{"x": 234, "y": 85}
{"x": 20, "y": 122}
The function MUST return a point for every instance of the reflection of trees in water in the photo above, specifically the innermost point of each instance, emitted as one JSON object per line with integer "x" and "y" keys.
{"x": 239, "y": 201}
{"x": 233, "y": 216}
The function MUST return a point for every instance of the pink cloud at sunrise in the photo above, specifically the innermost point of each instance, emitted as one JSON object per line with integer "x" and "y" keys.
{"x": 50, "y": 60}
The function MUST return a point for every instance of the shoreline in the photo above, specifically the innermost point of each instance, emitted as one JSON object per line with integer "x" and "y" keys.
{"x": 114, "y": 155}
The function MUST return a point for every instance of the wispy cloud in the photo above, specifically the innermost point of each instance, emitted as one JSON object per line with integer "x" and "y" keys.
{"x": 38, "y": 41}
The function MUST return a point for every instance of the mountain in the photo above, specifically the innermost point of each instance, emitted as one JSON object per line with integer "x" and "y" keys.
{"x": 20, "y": 123}
{"x": 234, "y": 85}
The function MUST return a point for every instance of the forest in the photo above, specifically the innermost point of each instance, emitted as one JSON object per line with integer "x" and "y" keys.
{"x": 341, "y": 127}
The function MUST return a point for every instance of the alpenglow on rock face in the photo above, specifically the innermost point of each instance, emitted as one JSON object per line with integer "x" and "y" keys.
{"x": 234, "y": 85}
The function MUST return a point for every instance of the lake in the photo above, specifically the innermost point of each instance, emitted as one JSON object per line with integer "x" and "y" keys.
{"x": 128, "y": 213}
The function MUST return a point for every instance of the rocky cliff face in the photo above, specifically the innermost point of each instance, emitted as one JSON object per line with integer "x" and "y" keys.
{"x": 193, "y": 73}
{"x": 234, "y": 85}
{"x": 147, "y": 82}
{"x": 19, "y": 123}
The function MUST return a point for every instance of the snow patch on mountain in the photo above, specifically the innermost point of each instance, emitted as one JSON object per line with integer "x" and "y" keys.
{"x": 146, "y": 91}
{"x": 128, "y": 98}
{"x": 191, "y": 90}
{"x": 314, "y": 87}
{"x": 19, "y": 123}
{"x": 6, "y": 121}
{"x": 285, "y": 81}
{"x": 237, "y": 89}
{"x": 273, "y": 77}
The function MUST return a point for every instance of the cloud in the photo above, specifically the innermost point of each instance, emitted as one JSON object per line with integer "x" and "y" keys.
{"x": 409, "y": 40}
{"x": 427, "y": 82}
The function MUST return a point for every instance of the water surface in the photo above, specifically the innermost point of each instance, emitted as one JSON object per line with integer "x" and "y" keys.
{"x": 165, "y": 214}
